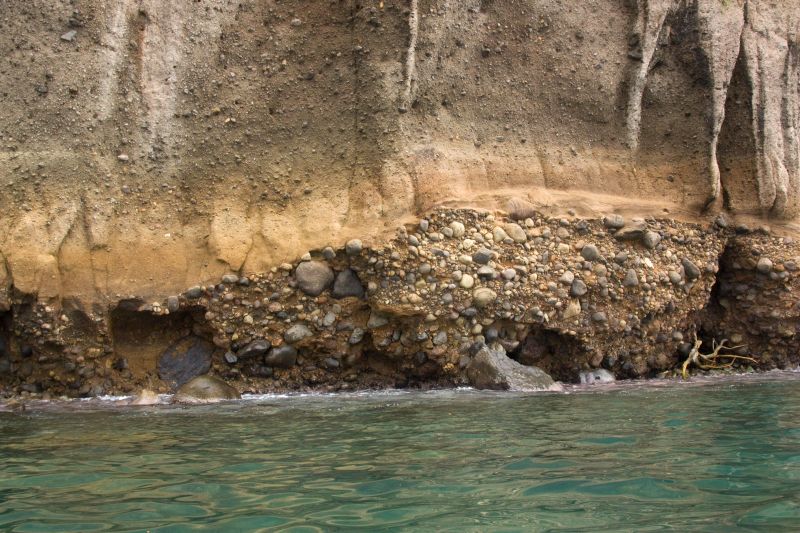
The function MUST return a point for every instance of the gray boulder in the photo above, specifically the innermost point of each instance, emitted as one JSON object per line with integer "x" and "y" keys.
{"x": 347, "y": 284}
{"x": 613, "y": 221}
{"x": 631, "y": 232}
{"x": 492, "y": 369}
{"x": 650, "y": 239}
{"x": 313, "y": 277}
{"x": 590, "y": 252}
{"x": 297, "y": 333}
{"x": 593, "y": 377}
{"x": 284, "y": 356}
{"x": 184, "y": 359}
{"x": 254, "y": 349}
{"x": 482, "y": 256}
{"x": 690, "y": 269}
{"x": 205, "y": 389}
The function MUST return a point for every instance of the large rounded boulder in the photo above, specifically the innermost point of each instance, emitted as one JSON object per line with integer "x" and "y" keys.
{"x": 313, "y": 277}
{"x": 185, "y": 359}
{"x": 205, "y": 389}
{"x": 492, "y": 369}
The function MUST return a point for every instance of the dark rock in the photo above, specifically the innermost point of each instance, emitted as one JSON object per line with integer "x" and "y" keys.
{"x": 185, "y": 359}
{"x": 284, "y": 356}
{"x": 631, "y": 279}
{"x": 347, "y": 284}
{"x": 194, "y": 293}
{"x": 578, "y": 288}
{"x": 173, "y": 304}
{"x": 690, "y": 269}
{"x": 313, "y": 277}
{"x": 260, "y": 371}
{"x": 205, "y": 389}
{"x": 230, "y": 358}
{"x": 590, "y": 252}
{"x": 482, "y": 256}
{"x": 492, "y": 369}
{"x": 329, "y": 253}
{"x": 254, "y": 349}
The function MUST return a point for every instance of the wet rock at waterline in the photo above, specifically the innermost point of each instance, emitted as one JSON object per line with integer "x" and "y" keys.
{"x": 185, "y": 359}
{"x": 205, "y": 389}
{"x": 492, "y": 369}
{"x": 594, "y": 377}
{"x": 145, "y": 397}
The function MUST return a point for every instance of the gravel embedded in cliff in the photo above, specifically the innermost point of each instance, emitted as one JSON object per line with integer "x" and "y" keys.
{"x": 570, "y": 298}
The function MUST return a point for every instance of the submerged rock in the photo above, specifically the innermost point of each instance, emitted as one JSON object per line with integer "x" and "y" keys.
{"x": 205, "y": 389}
{"x": 145, "y": 397}
{"x": 185, "y": 359}
{"x": 492, "y": 369}
{"x": 601, "y": 375}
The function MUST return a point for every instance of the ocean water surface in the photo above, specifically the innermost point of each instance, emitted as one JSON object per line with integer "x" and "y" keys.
{"x": 668, "y": 456}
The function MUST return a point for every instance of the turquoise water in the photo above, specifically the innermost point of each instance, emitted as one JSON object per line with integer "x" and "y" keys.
{"x": 670, "y": 457}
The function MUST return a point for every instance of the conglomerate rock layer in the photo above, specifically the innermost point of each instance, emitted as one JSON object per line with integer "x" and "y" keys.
{"x": 564, "y": 295}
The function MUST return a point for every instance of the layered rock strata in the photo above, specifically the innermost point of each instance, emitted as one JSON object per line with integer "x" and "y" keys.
{"x": 149, "y": 145}
{"x": 567, "y": 295}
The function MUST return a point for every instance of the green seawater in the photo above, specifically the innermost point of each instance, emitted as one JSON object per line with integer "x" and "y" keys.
{"x": 721, "y": 456}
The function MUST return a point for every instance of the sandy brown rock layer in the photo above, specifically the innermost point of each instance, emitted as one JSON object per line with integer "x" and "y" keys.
{"x": 566, "y": 295}
{"x": 148, "y": 145}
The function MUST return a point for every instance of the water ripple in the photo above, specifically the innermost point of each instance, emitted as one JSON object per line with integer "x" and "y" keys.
{"x": 703, "y": 457}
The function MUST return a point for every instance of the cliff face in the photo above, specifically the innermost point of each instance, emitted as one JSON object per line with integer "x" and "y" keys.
{"x": 149, "y": 145}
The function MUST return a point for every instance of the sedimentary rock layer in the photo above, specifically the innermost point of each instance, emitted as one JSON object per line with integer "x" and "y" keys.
{"x": 146, "y": 146}
{"x": 566, "y": 295}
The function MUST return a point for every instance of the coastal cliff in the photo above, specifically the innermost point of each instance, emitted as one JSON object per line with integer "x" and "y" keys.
{"x": 152, "y": 150}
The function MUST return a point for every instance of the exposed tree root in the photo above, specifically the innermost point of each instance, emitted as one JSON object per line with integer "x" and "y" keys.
{"x": 713, "y": 361}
